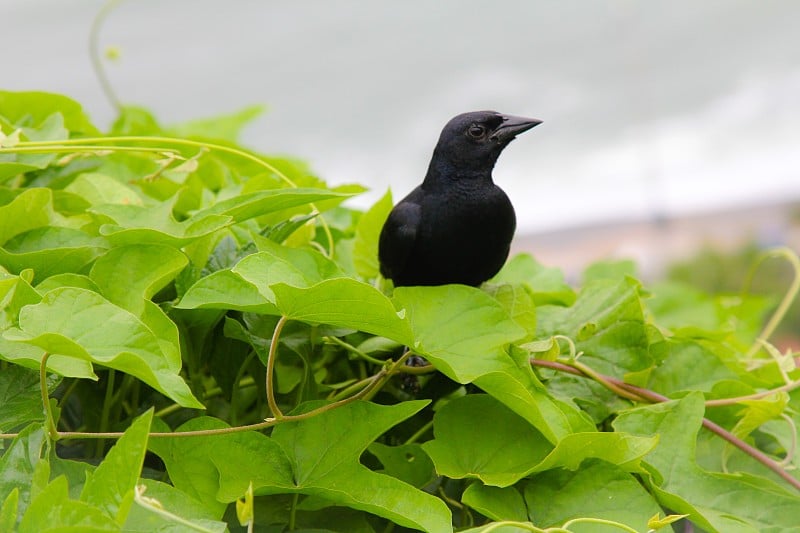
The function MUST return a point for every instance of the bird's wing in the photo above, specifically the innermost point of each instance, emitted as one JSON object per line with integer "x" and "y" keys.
{"x": 397, "y": 238}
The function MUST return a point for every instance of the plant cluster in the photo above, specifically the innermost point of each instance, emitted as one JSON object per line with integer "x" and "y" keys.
{"x": 194, "y": 337}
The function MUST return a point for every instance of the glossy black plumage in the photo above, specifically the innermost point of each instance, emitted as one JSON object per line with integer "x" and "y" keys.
{"x": 457, "y": 226}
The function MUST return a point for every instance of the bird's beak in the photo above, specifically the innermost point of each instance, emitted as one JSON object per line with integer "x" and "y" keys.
{"x": 513, "y": 126}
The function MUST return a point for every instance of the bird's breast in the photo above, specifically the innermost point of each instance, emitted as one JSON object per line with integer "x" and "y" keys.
{"x": 466, "y": 233}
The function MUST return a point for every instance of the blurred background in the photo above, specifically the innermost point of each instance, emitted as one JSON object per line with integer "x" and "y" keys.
{"x": 670, "y": 129}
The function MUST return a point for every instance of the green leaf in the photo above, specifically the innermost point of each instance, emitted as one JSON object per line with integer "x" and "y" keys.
{"x": 656, "y": 522}
{"x": 21, "y": 397}
{"x": 53, "y": 507}
{"x": 30, "y": 210}
{"x": 8, "y": 511}
{"x": 281, "y": 264}
{"x": 128, "y": 275}
{"x": 223, "y": 127}
{"x": 714, "y": 501}
{"x": 504, "y": 449}
{"x": 259, "y": 203}
{"x": 407, "y": 462}
{"x": 111, "y": 486}
{"x": 710, "y": 362}
{"x": 618, "y": 448}
{"x": 368, "y": 229}
{"x": 597, "y": 490}
{"x": 99, "y": 189}
{"x": 518, "y": 388}
{"x": 226, "y": 289}
{"x": 460, "y": 329}
{"x": 607, "y": 324}
{"x": 18, "y": 463}
{"x": 609, "y": 270}
{"x": 499, "y": 451}
{"x": 517, "y": 300}
{"x": 687, "y": 311}
{"x": 317, "y": 456}
{"x": 50, "y": 129}
{"x": 497, "y": 503}
{"x": 65, "y": 280}
{"x": 547, "y": 284}
{"x": 141, "y": 519}
{"x": 135, "y": 224}
{"x": 32, "y": 108}
{"x": 247, "y": 286}
{"x": 133, "y": 120}
{"x": 281, "y": 231}
{"x": 15, "y": 293}
{"x": 31, "y": 357}
{"x": 345, "y": 303}
{"x": 334, "y": 472}
{"x": 191, "y": 463}
{"x": 464, "y": 332}
{"x": 66, "y": 323}
{"x": 50, "y": 250}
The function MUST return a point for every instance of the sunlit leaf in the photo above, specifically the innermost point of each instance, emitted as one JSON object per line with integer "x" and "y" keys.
{"x": 365, "y": 250}
{"x": 66, "y": 323}
{"x": 503, "y": 448}
{"x": 599, "y": 490}
{"x": 714, "y": 501}
{"x": 110, "y": 487}
{"x": 221, "y": 468}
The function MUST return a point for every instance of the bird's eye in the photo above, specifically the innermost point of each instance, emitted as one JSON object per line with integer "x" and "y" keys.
{"x": 476, "y": 131}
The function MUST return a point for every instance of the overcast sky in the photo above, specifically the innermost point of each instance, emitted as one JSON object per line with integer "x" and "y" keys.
{"x": 648, "y": 107}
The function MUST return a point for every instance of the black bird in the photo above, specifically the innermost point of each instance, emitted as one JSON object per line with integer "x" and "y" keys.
{"x": 457, "y": 226}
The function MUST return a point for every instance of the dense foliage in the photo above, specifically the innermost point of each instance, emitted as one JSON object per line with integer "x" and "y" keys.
{"x": 194, "y": 337}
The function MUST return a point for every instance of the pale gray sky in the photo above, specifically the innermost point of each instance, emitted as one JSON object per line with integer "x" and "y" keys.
{"x": 647, "y": 106}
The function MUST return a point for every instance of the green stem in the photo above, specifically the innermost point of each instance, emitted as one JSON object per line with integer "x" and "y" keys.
{"x": 573, "y": 352}
{"x": 731, "y": 401}
{"x": 417, "y": 370}
{"x": 604, "y": 381}
{"x": 786, "y": 302}
{"x": 466, "y": 516}
{"x": 420, "y": 432}
{"x": 52, "y": 430}
{"x": 376, "y": 379}
{"x": 374, "y": 383}
{"x": 792, "y": 450}
{"x": 293, "y": 512}
{"x": 273, "y": 349}
{"x": 60, "y": 147}
{"x": 183, "y": 142}
{"x": 104, "y": 414}
{"x": 353, "y": 388}
{"x": 519, "y": 525}
{"x": 69, "y": 390}
{"x": 587, "y": 520}
{"x": 396, "y": 367}
{"x": 94, "y": 53}
{"x": 235, "y": 392}
{"x": 352, "y": 349}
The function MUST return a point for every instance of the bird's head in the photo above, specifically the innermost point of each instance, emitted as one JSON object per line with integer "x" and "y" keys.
{"x": 473, "y": 141}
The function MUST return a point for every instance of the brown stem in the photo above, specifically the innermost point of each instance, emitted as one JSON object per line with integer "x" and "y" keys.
{"x": 654, "y": 397}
